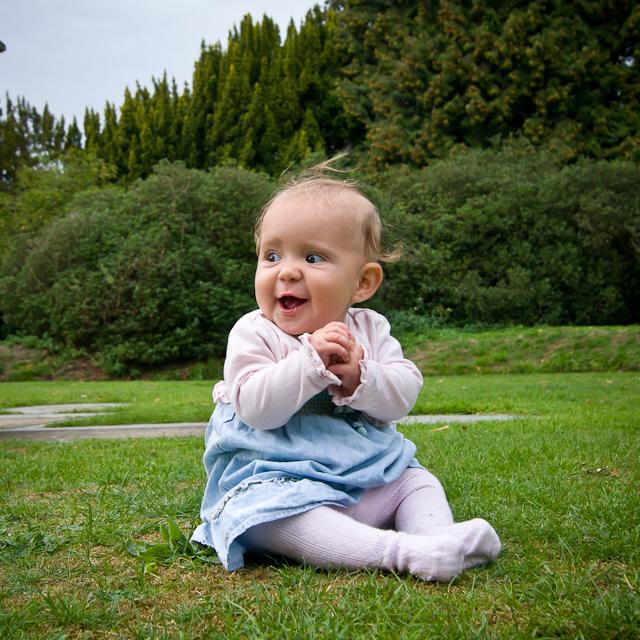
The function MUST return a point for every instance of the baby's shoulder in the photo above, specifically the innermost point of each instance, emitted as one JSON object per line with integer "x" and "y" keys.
{"x": 250, "y": 318}
{"x": 256, "y": 331}
{"x": 249, "y": 327}
{"x": 367, "y": 320}
{"x": 252, "y": 323}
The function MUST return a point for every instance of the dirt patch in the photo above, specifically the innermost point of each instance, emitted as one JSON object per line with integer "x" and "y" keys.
{"x": 22, "y": 364}
{"x": 623, "y": 337}
{"x": 19, "y": 352}
{"x": 81, "y": 370}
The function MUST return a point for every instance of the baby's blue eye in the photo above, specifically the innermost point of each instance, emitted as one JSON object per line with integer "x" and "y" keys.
{"x": 312, "y": 258}
{"x": 273, "y": 257}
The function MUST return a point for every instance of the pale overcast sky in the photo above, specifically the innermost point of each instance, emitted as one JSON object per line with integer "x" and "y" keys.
{"x": 74, "y": 54}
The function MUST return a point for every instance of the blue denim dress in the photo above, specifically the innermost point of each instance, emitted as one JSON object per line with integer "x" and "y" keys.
{"x": 317, "y": 458}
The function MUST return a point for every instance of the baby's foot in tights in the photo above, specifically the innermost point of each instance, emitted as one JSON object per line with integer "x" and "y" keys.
{"x": 322, "y": 537}
{"x": 481, "y": 542}
{"x": 438, "y": 558}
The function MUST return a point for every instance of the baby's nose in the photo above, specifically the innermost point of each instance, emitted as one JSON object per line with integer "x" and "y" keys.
{"x": 289, "y": 271}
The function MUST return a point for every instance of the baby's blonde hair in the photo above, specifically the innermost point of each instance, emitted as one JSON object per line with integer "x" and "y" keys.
{"x": 340, "y": 195}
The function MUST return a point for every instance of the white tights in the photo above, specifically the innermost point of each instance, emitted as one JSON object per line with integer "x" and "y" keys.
{"x": 406, "y": 525}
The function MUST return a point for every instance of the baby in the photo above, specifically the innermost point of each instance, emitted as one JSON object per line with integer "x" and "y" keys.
{"x": 302, "y": 455}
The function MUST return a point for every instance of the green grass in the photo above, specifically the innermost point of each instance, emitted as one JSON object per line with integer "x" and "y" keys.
{"x": 528, "y": 394}
{"x": 147, "y": 402}
{"x": 161, "y": 402}
{"x": 560, "y": 485}
{"x": 524, "y": 350}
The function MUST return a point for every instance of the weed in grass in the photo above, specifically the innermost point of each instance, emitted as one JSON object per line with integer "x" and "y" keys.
{"x": 71, "y": 611}
{"x": 15, "y": 624}
{"x": 16, "y": 545}
{"x": 176, "y": 547}
{"x": 26, "y": 371}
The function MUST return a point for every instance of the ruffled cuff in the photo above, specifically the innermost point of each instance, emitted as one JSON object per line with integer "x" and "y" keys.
{"x": 220, "y": 393}
{"x": 322, "y": 373}
{"x": 340, "y": 398}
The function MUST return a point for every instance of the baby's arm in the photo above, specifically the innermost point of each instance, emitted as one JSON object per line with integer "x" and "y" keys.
{"x": 388, "y": 383}
{"x": 264, "y": 390}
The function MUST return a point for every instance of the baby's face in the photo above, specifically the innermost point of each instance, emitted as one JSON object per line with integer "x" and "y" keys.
{"x": 309, "y": 266}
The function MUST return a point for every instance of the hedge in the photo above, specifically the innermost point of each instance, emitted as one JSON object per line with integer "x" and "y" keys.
{"x": 155, "y": 273}
{"x": 506, "y": 238}
{"x": 160, "y": 271}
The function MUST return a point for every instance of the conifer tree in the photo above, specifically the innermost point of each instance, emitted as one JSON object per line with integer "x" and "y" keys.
{"x": 200, "y": 105}
{"x": 179, "y": 106}
{"x": 260, "y": 103}
{"x": 91, "y": 126}
{"x": 73, "y": 137}
{"x": 28, "y": 138}
{"x": 422, "y": 78}
{"x": 15, "y": 140}
{"x": 110, "y": 150}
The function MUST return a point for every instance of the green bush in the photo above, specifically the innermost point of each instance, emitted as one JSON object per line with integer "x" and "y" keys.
{"x": 157, "y": 272}
{"x": 497, "y": 237}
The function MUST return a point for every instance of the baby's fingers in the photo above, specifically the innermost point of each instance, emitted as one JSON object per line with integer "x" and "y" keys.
{"x": 333, "y": 330}
{"x": 356, "y": 351}
{"x": 339, "y": 353}
{"x": 331, "y": 346}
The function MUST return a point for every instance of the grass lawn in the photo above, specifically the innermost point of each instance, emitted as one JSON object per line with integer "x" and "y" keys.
{"x": 560, "y": 485}
{"x": 143, "y": 401}
{"x": 190, "y": 401}
{"x": 539, "y": 349}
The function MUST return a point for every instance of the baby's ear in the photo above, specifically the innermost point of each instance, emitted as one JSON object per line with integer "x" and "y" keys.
{"x": 370, "y": 280}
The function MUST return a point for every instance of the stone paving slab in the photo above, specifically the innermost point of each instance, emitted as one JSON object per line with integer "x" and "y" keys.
{"x": 8, "y": 422}
{"x": 45, "y": 414}
{"x": 56, "y": 409}
{"x": 439, "y": 419}
{"x": 108, "y": 432}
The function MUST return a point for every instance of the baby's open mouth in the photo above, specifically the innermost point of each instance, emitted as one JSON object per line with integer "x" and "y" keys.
{"x": 291, "y": 303}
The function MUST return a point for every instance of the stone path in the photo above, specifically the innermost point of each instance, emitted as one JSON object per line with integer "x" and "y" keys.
{"x": 33, "y": 423}
{"x": 45, "y": 414}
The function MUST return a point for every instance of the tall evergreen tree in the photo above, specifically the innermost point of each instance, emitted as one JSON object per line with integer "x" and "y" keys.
{"x": 92, "y": 130}
{"x": 73, "y": 137}
{"x": 28, "y": 138}
{"x": 200, "y": 105}
{"x": 426, "y": 76}
{"x": 260, "y": 103}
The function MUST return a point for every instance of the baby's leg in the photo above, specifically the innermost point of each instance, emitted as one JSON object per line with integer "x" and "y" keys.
{"x": 379, "y": 507}
{"x": 424, "y": 511}
{"x": 416, "y": 503}
{"x": 323, "y": 537}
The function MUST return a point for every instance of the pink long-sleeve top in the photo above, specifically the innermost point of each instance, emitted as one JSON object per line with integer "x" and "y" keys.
{"x": 269, "y": 375}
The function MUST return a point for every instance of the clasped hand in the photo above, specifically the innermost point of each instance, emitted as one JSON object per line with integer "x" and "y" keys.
{"x": 340, "y": 353}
